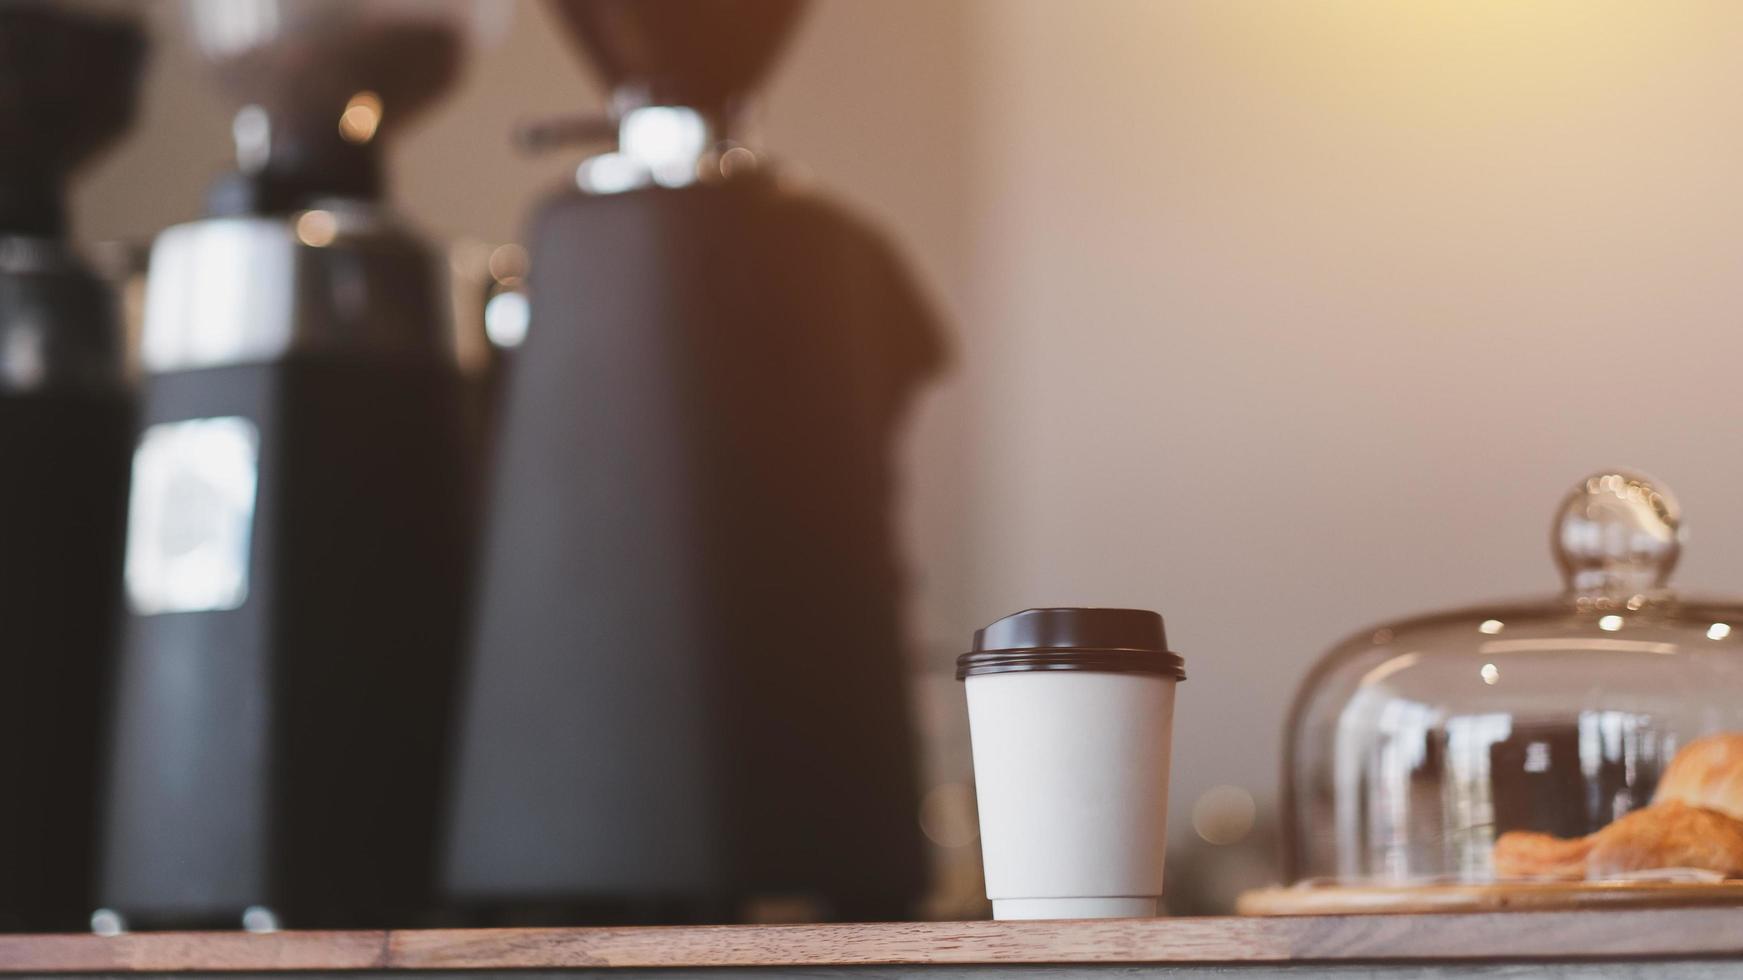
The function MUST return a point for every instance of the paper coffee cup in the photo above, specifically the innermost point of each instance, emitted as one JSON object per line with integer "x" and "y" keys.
{"x": 1070, "y": 714}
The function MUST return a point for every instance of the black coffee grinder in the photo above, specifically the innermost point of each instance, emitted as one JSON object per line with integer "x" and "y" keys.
{"x": 298, "y": 529}
{"x": 688, "y": 696}
{"x": 67, "y": 83}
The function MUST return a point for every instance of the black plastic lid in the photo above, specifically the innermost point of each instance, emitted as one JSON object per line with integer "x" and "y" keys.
{"x": 1115, "y": 641}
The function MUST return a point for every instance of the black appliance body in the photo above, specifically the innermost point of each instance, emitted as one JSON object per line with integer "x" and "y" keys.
{"x": 65, "y": 428}
{"x": 299, "y": 521}
{"x": 295, "y": 578}
{"x": 687, "y": 692}
{"x": 67, "y": 82}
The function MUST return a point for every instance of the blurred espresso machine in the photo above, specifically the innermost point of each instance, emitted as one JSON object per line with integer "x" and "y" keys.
{"x": 297, "y": 530}
{"x": 68, "y": 76}
{"x": 687, "y": 698}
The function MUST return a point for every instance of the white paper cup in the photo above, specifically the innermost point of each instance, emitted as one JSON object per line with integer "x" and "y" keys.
{"x": 1071, "y": 751}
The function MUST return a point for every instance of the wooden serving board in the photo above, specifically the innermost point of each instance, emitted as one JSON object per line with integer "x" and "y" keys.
{"x": 1497, "y": 897}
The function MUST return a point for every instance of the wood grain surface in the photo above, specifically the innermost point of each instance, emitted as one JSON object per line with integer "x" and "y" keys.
{"x": 1506, "y": 897}
{"x": 1690, "y": 932}
{"x": 193, "y": 951}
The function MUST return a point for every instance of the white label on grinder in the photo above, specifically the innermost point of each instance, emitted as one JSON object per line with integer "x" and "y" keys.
{"x": 192, "y": 516}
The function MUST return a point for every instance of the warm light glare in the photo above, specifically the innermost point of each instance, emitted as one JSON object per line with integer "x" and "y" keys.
{"x": 1562, "y": 644}
{"x": 667, "y": 140}
{"x": 948, "y": 817}
{"x": 1490, "y": 673}
{"x": 1610, "y": 624}
{"x": 507, "y": 317}
{"x": 252, "y": 131}
{"x": 609, "y": 173}
{"x": 1420, "y": 61}
{"x": 361, "y": 118}
{"x": 1718, "y": 631}
{"x": 737, "y": 160}
{"x": 317, "y": 228}
{"x": 508, "y": 264}
{"x": 1224, "y": 815}
{"x": 1490, "y": 626}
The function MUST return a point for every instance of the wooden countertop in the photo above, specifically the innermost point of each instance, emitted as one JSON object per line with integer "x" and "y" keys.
{"x": 1690, "y": 932}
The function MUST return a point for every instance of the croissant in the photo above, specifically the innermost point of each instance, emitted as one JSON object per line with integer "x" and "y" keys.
{"x": 1529, "y": 854}
{"x": 1670, "y": 834}
{"x": 1695, "y": 821}
{"x": 1707, "y": 772}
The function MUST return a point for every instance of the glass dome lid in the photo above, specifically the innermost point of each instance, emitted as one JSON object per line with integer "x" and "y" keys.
{"x": 1496, "y": 743}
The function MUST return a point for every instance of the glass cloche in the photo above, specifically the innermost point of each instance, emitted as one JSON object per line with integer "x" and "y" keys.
{"x": 1495, "y": 744}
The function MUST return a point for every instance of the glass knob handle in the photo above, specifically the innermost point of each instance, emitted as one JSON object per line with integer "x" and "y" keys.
{"x": 1617, "y": 534}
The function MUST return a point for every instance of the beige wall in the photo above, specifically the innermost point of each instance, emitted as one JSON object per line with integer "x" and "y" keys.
{"x": 1300, "y": 316}
{"x": 1279, "y": 317}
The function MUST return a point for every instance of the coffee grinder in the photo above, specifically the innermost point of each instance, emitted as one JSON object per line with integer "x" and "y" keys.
{"x": 298, "y": 526}
{"x": 68, "y": 77}
{"x": 687, "y": 697}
